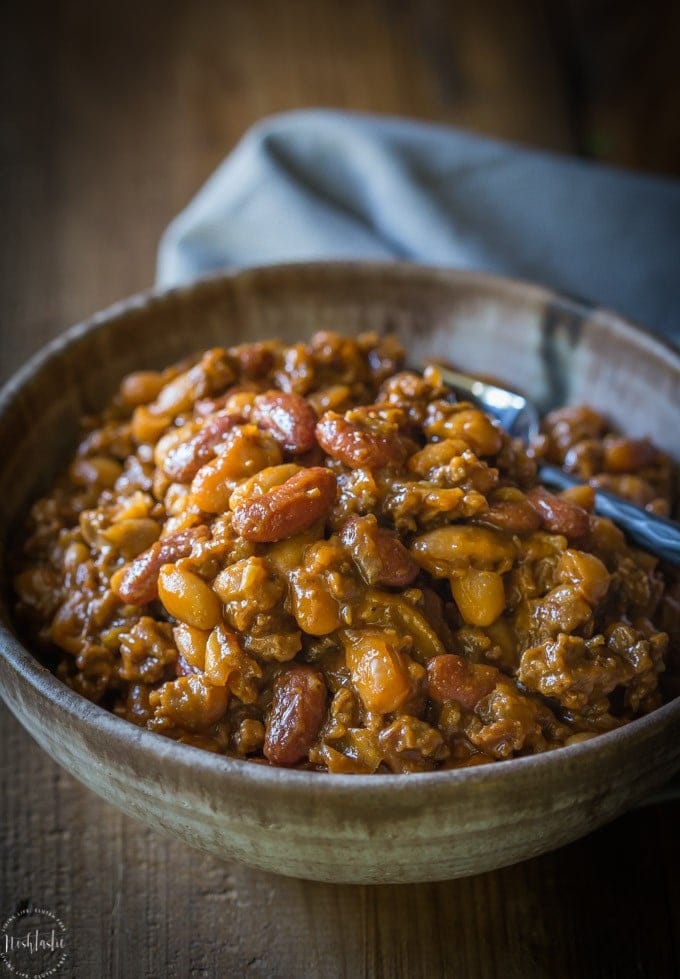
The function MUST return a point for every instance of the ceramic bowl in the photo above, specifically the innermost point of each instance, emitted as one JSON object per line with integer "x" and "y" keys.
{"x": 339, "y": 828}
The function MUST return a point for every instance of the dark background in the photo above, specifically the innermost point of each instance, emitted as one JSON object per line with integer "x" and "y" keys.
{"x": 115, "y": 113}
{"x": 112, "y": 117}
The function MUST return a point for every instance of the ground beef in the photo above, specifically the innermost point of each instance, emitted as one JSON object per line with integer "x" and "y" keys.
{"x": 306, "y": 555}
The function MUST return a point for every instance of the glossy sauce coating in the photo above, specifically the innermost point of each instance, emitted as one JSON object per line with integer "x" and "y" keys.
{"x": 306, "y": 556}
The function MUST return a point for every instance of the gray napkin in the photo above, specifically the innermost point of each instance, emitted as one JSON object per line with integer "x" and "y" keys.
{"x": 322, "y": 184}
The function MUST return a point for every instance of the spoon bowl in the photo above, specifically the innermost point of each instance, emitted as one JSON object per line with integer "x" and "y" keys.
{"x": 519, "y": 417}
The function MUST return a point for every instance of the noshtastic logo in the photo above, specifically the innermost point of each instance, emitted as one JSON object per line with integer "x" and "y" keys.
{"x": 33, "y": 943}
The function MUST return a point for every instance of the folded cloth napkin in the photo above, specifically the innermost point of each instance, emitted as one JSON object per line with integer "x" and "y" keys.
{"x": 332, "y": 185}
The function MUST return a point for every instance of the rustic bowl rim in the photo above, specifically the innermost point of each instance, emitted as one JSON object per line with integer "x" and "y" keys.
{"x": 101, "y": 721}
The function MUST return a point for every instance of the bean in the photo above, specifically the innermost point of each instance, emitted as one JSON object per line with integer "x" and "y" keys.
{"x": 449, "y": 677}
{"x": 138, "y": 584}
{"x": 288, "y": 554}
{"x": 558, "y": 515}
{"x": 517, "y": 516}
{"x": 184, "y": 668}
{"x": 585, "y": 458}
{"x": 175, "y": 501}
{"x": 74, "y": 555}
{"x": 191, "y": 644}
{"x": 335, "y": 398}
{"x": 221, "y": 652}
{"x": 179, "y": 394}
{"x": 262, "y": 482}
{"x": 131, "y": 537}
{"x": 357, "y": 447}
{"x": 314, "y": 608}
{"x": 140, "y": 388}
{"x": 296, "y": 715}
{"x": 380, "y": 672}
{"x": 581, "y": 737}
{"x": 288, "y": 417}
{"x": 184, "y": 460}
{"x": 436, "y": 455}
{"x": 288, "y": 509}
{"x": 254, "y": 360}
{"x": 459, "y": 546}
{"x": 622, "y": 455}
{"x": 582, "y": 495}
{"x": 387, "y": 610}
{"x": 630, "y": 487}
{"x": 479, "y": 595}
{"x": 572, "y": 424}
{"x": 378, "y": 553}
{"x": 227, "y": 665}
{"x": 171, "y": 439}
{"x": 148, "y": 427}
{"x": 237, "y": 401}
{"x": 212, "y": 373}
{"x": 91, "y": 470}
{"x": 475, "y": 428}
{"x": 585, "y": 572}
{"x": 249, "y": 586}
{"x": 407, "y": 387}
{"x": 188, "y": 597}
{"x": 246, "y": 451}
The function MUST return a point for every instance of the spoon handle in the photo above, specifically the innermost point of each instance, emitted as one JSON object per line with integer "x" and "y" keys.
{"x": 656, "y": 534}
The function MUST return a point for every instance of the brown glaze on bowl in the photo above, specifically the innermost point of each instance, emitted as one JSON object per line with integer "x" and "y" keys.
{"x": 375, "y": 828}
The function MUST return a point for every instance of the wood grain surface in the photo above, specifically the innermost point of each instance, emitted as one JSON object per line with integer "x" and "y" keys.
{"x": 113, "y": 116}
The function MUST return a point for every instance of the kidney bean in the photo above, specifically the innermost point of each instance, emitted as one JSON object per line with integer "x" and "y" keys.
{"x": 184, "y": 460}
{"x": 515, "y": 516}
{"x": 449, "y": 677}
{"x": 378, "y": 553}
{"x": 139, "y": 581}
{"x": 573, "y": 423}
{"x": 296, "y": 715}
{"x": 288, "y": 509}
{"x": 585, "y": 458}
{"x": 558, "y": 515}
{"x": 398, "y": 567}
{"x": 254, "y": 360}
{"x": 288, "y": 417}
{"x": 357, "y": 447}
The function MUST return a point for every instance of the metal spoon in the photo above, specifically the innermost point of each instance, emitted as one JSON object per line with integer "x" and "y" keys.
{"x": 519, "y": 417}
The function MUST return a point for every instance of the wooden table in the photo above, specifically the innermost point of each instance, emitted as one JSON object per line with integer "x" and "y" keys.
{"x": 113, "y": 117}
